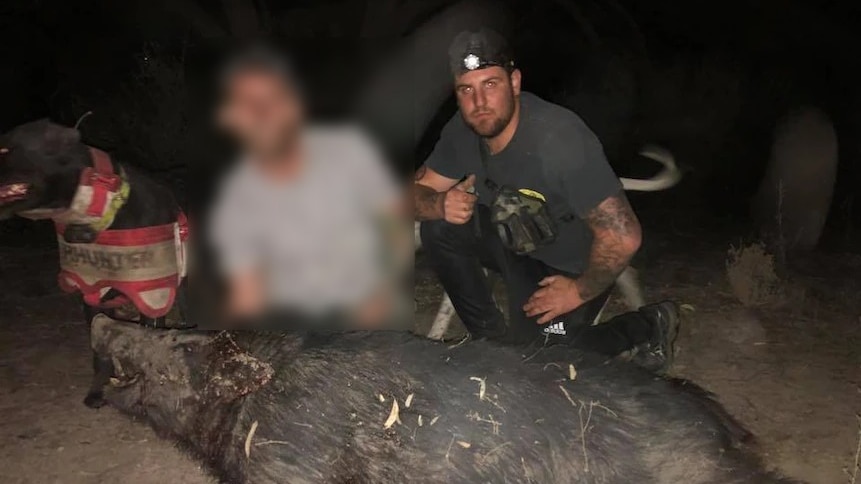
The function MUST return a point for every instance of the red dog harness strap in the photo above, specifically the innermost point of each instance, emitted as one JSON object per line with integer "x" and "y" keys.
{"x": 102, "y": 179}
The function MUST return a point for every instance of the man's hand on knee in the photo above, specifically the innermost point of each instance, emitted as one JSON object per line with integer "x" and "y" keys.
{"x": 558, "y": 295}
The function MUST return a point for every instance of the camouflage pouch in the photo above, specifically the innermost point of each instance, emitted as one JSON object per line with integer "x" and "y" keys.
{"x": 522, "y": 221}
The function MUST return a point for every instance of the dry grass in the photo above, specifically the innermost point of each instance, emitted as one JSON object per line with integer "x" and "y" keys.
{"x": 394, "y": 414}
{"x": 248, "y": 438}
{"x": 752, "y": 275}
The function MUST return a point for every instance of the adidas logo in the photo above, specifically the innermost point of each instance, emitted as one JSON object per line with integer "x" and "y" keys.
{"x": 555, "y": 328}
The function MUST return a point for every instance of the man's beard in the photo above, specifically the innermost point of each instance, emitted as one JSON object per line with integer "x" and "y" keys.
{"x": 497, "y": 125}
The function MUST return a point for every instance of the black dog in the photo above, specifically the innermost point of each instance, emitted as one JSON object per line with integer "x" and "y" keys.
{"x": 45, "y": 169}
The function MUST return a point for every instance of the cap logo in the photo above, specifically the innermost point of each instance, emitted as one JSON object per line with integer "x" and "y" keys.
{"x": 471, "y": 62}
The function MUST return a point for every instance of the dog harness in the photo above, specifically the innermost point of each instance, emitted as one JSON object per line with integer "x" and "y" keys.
{"x": 146, "y": 265}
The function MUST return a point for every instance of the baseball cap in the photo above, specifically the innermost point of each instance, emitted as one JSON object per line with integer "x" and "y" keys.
{"x": 474, "y": 50}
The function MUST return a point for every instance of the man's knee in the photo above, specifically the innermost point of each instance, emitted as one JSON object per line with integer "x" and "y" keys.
{"x": 439, "y": 234}
{"x": 432, "y": 231}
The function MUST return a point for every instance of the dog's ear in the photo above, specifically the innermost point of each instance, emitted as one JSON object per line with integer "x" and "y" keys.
{"x": 59, "y": 139}
{"x": 61, "y": 146}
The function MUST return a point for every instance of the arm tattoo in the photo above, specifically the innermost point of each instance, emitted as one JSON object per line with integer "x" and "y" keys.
{"x": 428, "y": 202}
{"x": 616, "y": 239}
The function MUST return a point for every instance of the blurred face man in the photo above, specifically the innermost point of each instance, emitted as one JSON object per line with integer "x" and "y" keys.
{"x": 488, "y": 99}
{"x": 263, "y": 111}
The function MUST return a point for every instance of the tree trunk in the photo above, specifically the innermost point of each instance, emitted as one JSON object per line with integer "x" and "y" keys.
{"x": 792, "y": 203}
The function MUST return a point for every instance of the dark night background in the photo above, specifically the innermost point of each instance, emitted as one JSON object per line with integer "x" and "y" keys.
{"x": 719, "y": 75}
{"x": 773, "y": 329}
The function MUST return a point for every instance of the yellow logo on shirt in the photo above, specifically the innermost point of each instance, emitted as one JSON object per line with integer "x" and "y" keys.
{"x": 533, "y": 194}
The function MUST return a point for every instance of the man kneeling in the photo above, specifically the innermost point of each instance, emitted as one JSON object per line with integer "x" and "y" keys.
{"x": 522, "y": 186}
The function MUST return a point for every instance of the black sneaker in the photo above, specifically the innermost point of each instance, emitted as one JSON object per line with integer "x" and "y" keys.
{"x": 657, "y": 354}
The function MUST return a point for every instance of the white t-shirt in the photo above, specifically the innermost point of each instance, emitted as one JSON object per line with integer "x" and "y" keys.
{"x": 316, "y": 239}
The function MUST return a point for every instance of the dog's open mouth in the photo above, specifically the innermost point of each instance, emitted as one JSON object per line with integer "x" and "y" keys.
{"x": 13, "y": 192}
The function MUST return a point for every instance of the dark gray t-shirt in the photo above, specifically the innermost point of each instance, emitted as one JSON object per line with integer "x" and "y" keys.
{"x": 552, "y": 153}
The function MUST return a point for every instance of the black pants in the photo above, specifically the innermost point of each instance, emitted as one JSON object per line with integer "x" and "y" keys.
{"x": 458, "y": 254}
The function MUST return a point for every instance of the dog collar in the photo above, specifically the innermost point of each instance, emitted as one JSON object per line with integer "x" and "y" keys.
{"x": 108, "y": 191}
{"x": 101, "y": 193}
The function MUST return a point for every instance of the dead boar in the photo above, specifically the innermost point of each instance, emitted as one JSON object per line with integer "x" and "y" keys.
{"x": 385, "y": 407}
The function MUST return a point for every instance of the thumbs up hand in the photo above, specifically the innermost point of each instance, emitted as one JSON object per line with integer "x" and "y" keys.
{"x": 460, "y": 202}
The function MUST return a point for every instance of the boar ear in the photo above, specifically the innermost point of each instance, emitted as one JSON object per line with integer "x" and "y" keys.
{"x": 232, "y": 372}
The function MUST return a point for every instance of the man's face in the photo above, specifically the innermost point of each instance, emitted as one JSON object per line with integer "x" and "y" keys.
{"x": 487, "y": 99}
{"x": 262, "y": 113}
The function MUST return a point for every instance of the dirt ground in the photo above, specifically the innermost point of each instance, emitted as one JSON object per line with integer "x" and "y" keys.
{"x": 791, "y": 372}
{"x": 48, "y": 435}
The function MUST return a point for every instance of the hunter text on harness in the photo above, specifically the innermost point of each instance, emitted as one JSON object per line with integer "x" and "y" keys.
{"x": 145, "y": 264}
